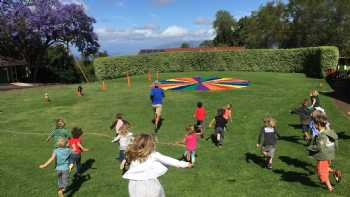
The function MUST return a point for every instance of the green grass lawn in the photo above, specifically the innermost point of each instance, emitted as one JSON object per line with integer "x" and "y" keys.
{"x": 231, "y": 171}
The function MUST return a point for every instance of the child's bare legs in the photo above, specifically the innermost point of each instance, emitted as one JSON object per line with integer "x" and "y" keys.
{"x": 329, "y": 185}
{"x": 60, "y": 193}
{"x": 323, "y": 169}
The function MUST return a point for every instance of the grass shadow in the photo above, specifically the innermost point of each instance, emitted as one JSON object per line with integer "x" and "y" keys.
{"x": 290, "y": 176}
{"x": 258, "y": 160}
{"x": 293, "y": 139}
{"x": 78, "y": 181}
{"x": 297, "y": 163}
{"x": 343, "y": 136}
{"x": 295, "y": 126}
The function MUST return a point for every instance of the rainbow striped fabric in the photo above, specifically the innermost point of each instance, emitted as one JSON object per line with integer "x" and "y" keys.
{"x": 203, "y": 83}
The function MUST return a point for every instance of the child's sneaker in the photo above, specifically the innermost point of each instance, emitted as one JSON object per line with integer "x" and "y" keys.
{"x": 269, "y": 166}
{"x": 337, "y": 175}
{"x": 71, "y": 166}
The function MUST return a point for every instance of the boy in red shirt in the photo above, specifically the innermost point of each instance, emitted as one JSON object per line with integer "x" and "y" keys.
{"x": 200, "y": 114}
{"x": 77, "y": 148}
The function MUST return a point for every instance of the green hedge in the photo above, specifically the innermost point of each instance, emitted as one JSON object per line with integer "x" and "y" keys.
{"x": 311, "y": 61}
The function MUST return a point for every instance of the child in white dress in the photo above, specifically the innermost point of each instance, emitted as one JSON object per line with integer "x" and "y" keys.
{"x": 146, "y": 165}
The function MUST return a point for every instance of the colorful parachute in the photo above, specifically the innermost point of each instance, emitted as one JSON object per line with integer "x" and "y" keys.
{"x": 203, "y": 83}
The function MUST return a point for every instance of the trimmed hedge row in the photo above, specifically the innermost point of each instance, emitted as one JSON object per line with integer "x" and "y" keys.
{"x": 311, "y": 61}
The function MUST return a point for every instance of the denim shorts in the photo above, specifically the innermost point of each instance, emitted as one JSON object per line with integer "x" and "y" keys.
{"x": 62, "y": 176}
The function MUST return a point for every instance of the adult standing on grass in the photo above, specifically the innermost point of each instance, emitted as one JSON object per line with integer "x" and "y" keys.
{"x": 157, "y": 96}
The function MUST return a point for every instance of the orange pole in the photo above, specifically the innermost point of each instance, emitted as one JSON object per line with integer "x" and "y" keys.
{"x": 103, "y": 86}
{"x": 149, "y": 76}
{"x": 129, "y": 79}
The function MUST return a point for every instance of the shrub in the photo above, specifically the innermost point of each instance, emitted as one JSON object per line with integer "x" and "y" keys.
{"x": 311, "y": 61}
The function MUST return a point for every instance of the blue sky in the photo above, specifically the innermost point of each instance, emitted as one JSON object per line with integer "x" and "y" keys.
{"x": 125, "y": 26}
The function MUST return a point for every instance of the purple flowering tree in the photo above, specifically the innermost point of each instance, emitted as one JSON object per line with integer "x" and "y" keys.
{"x": 29, "y": 27}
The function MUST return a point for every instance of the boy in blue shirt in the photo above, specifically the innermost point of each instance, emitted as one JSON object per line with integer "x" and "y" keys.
{"x": 61, "y": 155}
{"x": 157, "y": 96}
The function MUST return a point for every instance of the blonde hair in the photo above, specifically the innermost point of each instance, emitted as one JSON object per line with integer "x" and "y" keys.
{"x": 142, "y": 146}
{"x": 61, "y": 142}
{"x": 314, "y": 93}
{"x": 321, "y": 120}
{"x": 124, "y": 130}
{"x": 269, "y": 122}
{"x": 60, "y": 123}
{"x": 190, "y": 129}
{"x": 316, "y": 113}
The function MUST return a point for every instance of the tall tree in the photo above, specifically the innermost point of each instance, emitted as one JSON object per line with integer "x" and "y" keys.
{"x": 265, "y": 28}
{"x": 225, "y": 26}
{"x": 29, "y": 27}
{"x": 309, "y": 22}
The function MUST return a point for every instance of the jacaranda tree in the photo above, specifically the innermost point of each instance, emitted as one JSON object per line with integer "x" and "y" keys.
{"x": 29, "y": 27}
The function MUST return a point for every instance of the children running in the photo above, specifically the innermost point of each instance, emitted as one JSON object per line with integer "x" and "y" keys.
{"x": 323, "y": 151}
{"x": 146, "y": 166}
{"x": 61, "y": 155}
{"x": 59, "y": 132}
{"x": 268, "y": 139}
{"x": 199, "y": 114}
{"x": 190, "y": 141}
{"x": 219, "y": 123}
{"x": 305, "y": 117}
{"x": 228, "y": 112}
{"x": 77, "y": 148}
{"x": 124, "y": 139}
{"x": 117, "y": 124}
{"x": 315, "y": 99}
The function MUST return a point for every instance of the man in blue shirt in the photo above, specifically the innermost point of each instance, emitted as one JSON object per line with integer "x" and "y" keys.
{"x": 157, "y": 96}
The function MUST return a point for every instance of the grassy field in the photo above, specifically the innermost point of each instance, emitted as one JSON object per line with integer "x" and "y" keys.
{"x": 233, "y": 170}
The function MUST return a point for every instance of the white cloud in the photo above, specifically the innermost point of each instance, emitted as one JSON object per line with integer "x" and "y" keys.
{"x": 174, "y": 31}
{"x": 78, "y": 2}
{"x": 152, "y": 32}
{"x": 202, "y": 21}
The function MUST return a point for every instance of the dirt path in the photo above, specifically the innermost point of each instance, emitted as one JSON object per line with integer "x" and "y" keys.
{"x": 342, "y": 106}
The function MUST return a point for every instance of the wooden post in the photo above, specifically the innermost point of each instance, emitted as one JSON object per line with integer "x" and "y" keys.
{"x": 157, "y": 75}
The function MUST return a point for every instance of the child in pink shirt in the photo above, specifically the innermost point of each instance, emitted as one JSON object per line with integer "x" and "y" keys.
{"x": 190, "y": 141}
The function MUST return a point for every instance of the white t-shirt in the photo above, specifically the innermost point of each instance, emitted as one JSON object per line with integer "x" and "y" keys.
{"x": 153, "y": 167}
{"x": 124, "y": 141}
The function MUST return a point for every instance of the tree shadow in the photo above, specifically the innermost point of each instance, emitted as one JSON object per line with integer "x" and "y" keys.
{"x": 295, "y": 126}
{"x": 343, "y": 136}
{"x": 78, "y": 181}
{"x": 341, "y": 89}
{"x": 293, "y": 139}
{"x": 290, "y": 176}
{"x": 258, "y": 160}
{"x": 297, "y": 163}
